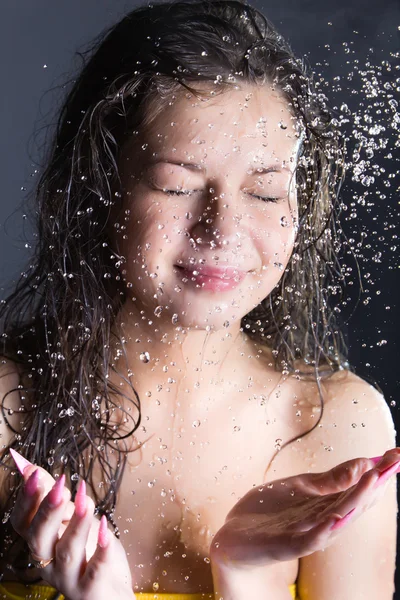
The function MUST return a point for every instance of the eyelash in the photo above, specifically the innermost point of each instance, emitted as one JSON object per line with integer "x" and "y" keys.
{"x": 180, "y": 193}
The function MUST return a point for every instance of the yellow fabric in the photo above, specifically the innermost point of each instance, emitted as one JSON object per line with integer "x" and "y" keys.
{"x": 10, "y": 590}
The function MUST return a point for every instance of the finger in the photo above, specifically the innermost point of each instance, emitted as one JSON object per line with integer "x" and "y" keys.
{"x": 30, "y": 495}
{"x": 27, "y": 503}
{"x": 47, "y": 482}
{"x": 101, "y": 556}
{"x": 341, "y": 477}
{"x": 388, "y": 459}
{"x": 357, "y": 497}
{"x": 42, "y": 532}
{"x": 71, "y": 548}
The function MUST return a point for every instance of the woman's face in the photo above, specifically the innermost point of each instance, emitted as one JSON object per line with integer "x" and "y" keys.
{"x": 209, "y": 209}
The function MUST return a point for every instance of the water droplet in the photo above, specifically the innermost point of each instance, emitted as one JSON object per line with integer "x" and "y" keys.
{"x": 145, "y": 357}
{"x": 278, "y": 265}
{"x": 158, "y": 310}
{"x": 284, "y": 222}
{"x": 6, "y": 516}
{"x": 196, "y": 424}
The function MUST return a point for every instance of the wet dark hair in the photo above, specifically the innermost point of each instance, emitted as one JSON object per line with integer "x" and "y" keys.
{"x": 58, "y": 323}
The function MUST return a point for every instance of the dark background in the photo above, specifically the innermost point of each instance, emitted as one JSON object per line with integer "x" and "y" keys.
{"x": 38, "y": 39}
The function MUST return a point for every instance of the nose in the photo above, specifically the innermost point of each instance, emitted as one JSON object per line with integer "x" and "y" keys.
{"x": 220, "y": 224}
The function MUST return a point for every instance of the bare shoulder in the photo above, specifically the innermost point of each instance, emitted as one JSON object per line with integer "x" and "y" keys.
{"x": 356, "y": 422}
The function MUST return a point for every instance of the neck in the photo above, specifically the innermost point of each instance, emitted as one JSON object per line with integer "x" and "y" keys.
{"x": 159, "y": 348}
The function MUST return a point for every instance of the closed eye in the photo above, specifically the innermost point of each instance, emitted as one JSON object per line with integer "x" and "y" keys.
{"x": 188, "y": 192}
{"x": 266, "y": 198}
{"x": 180, "y": 193}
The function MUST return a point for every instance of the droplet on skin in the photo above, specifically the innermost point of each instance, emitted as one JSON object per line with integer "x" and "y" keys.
{"x": 278, "y": 265}
{"x": 284, "y": 222}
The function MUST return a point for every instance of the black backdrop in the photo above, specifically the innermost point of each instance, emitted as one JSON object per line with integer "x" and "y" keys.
{"x": 353, "y": 46}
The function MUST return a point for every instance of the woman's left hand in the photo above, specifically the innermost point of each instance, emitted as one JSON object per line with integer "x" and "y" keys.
{"x": 293, "y": 517}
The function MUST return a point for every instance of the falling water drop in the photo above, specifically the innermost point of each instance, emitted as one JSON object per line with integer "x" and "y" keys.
{"x": 158, "y": 310}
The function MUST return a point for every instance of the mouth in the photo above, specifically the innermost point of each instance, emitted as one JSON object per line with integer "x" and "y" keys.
{"x": 212, "y": 279}
{"x": 226, "y": 273}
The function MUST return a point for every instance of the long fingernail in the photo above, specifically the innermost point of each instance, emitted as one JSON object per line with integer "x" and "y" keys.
{"x": 387, "y": 473}
{"x": 31, "y": 484}
{"x": 102, "y": 538}
{"x": 56, "y": 492}
{"x": 343, "y": 520}
{"x": 20, "y": 461}
{"x": 80, "y": 499}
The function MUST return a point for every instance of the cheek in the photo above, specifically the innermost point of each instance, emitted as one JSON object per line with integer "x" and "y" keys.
{"x": 274, "y": 235}
{"x": 150, "y": 236}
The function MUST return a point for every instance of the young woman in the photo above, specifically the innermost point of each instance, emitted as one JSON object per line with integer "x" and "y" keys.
{"x": 171, "y": 362}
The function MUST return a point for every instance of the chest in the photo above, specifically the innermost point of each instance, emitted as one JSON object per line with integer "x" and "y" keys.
{"x": 190, "y": 469}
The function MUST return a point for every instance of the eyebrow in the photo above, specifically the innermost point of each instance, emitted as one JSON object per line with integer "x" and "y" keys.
{"x": 197, "y": 167}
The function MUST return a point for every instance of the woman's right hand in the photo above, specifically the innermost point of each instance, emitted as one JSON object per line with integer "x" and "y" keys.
{"x": 293, "y": 517}
{"x": 89, "y": 562}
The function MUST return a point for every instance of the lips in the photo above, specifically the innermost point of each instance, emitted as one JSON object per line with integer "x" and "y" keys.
{"x": 224, "y": 273}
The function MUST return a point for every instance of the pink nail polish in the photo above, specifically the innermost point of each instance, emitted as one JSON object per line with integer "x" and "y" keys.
{"x": 20, "y": 461}
{"x": 341, "y": 522}
{"x": 56, "y": 493}
{"x": 387, "y": 473}
{"x": 31, "y": 484}
{"x": 102, "y": 538}
{"x": 80, "y": 499}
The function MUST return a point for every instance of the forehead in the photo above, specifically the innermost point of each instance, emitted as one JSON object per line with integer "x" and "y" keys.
{"x": 253, "y": 123}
